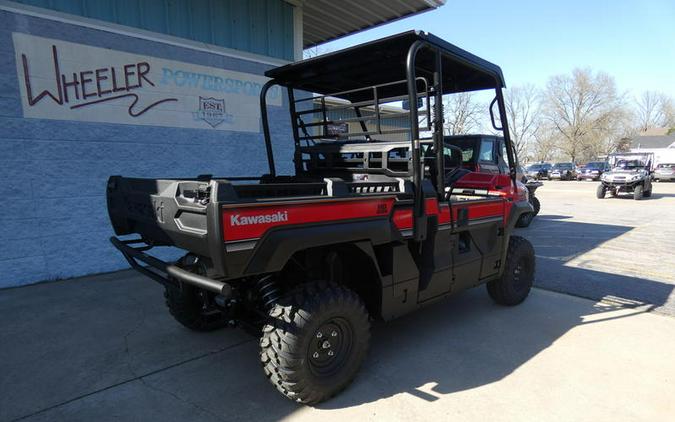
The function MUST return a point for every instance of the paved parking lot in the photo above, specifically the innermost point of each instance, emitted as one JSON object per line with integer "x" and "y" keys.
{"x": 104, "y": 347}
{"x": 613, "y": 249}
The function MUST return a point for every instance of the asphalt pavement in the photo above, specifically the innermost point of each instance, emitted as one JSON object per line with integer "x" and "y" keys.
{"x": 606, "y": 249}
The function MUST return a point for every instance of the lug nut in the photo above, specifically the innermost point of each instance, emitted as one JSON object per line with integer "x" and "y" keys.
{"x": 315, "y": 355}
{"x": 330, "y": 353}
{"x": 334, "y": 334}
{"x": 319, "y": 335}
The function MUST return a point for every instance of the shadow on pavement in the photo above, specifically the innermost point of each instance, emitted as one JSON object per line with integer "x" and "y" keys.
{"x": 557, "y": 242}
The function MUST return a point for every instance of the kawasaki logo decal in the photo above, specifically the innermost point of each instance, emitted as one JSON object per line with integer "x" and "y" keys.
{"x": 237, "y": 220}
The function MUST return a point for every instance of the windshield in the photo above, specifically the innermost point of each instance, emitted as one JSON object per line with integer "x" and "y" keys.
{"x": 469, "y": 149}
{"x": 563, "y": 166}
{"x": 629, "y": 164}
{"x": 667, "y": 166}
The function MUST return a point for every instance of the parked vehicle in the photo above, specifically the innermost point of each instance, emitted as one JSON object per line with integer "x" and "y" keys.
{"x": 593, "y": 170}
{"x": 311, "y": 258}
{"x": 487, "y": 154}
{"x": 631, "y": 173}
{"x": 563, "y": 171}
{"x": 665, "y": 172}
{"x": 538, "y": 171}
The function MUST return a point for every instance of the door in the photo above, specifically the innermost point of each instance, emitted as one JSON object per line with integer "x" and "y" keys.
{"x": 477, "y": 239}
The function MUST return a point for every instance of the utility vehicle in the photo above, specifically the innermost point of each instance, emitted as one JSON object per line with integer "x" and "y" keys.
{"x": 631, "y": 173}
{"x": 309, "y": 259}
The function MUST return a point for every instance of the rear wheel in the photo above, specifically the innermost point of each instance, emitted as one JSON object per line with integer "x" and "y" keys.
{"x": 638, "y": 192}
{"x": 516, "y": 282}
{"x": 314, "y": 341}
{"x": 192, "y": 307}
{"x": 600, "y": 192}
{"x": 647, "y": 193}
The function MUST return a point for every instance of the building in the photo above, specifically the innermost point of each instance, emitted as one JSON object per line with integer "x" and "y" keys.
{"x": 658, "y": 142}
{"x": 146, "y": 88}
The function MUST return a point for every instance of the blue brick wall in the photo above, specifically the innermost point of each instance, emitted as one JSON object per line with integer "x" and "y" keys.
{"x": 54, "y": 221}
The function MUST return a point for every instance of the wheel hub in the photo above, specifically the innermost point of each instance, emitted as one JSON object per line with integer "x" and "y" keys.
{"x": 521, "y": 274}
{"x": 330, "y": 346}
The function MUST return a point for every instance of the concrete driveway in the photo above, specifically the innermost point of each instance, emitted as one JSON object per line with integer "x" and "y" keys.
{"x": 104, "y": 348}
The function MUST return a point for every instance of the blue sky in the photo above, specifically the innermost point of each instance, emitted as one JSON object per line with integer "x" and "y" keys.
{"x": 532, "y": 40}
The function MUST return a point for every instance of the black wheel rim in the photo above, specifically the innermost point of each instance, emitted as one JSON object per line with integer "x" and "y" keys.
{"x": 522, "y": 274}
{"x": 330, "y": 347}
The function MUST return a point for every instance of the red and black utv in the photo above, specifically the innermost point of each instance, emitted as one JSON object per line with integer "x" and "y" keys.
{"x": 311, "y": 258}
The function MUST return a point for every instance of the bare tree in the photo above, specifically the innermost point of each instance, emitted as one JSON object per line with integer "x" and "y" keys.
{"x": 544, "y": 145}
{"x": 462, "y": 113}
{"x": 585, "y": 110}
{"x": 654, "y": 110}
{"x": 523, "y": 112}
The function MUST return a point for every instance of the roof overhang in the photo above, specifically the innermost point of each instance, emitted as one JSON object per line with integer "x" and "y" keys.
{"x": 326, "y": 20}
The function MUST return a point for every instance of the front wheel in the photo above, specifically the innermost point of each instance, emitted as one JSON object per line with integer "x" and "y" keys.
{"x": 600, "y": 192}
{"x": 516, "y": 282}
{"x": 535, "y": 204}
{"x": 314, "y": 341}
{"x": 638, "y": 193}
{"x": 524, "y": 220}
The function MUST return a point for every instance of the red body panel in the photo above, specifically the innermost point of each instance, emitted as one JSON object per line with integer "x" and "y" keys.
{"x": 243, "y": 223}
{"x": 403, "y": 217}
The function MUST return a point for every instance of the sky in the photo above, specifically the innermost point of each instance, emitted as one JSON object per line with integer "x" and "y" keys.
{"x": 634, "y": 41}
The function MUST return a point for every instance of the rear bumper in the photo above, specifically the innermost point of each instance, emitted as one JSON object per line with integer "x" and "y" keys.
{"x": 163, "y": 272}
{"x": 664, "y": 177}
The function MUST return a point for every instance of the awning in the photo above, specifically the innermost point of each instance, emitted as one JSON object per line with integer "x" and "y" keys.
{"x": 326, "y": 20}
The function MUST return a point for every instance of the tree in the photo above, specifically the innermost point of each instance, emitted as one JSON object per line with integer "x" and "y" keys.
{"x": 544, "y": 144}
{"x": 654, "y": 110}
{"x": 585, "y": 110}
{"x": 523, "y": 112}
{"x": 462, "y": 113}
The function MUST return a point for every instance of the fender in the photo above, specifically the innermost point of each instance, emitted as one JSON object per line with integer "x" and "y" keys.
{"x": 278, "y": 245}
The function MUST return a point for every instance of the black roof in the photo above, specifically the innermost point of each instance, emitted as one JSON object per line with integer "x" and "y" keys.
{"x": 383, "y": 61}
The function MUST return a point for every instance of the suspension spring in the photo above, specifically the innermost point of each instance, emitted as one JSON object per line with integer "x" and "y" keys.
{"x": 268, "y": 291}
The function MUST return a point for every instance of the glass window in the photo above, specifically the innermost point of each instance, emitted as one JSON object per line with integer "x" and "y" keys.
{"x": 486, "y": 151}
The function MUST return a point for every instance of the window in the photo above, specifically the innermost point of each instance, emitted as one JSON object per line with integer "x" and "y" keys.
{"x": 486, "y": 152}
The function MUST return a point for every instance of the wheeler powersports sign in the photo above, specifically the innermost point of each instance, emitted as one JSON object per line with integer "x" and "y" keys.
{"x": 68, "y": 81}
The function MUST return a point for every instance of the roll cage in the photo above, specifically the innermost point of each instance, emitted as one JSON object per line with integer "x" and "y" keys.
{"x": 410, "y": 66}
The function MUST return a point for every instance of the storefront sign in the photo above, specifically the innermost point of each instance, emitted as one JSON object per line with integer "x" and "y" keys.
{"x": 67, "y": 81}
